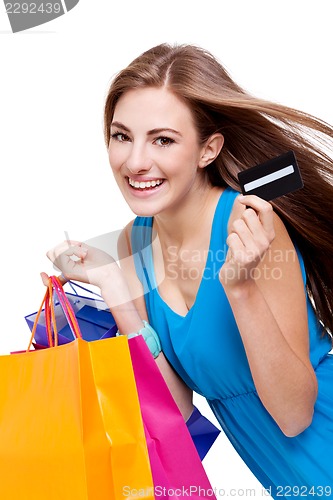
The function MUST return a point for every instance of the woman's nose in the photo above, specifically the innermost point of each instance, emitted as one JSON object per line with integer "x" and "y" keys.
{"x": 138, "y": 160}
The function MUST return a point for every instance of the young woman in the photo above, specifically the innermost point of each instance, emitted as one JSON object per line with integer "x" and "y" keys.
{"x": 239, "y": 290}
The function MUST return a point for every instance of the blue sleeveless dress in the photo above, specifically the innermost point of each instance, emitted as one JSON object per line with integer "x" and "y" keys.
{"x": 206, "y": 350}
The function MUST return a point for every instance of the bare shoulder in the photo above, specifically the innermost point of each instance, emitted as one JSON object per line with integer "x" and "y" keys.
{"x": 124, "y": 241}
{"x": 282, "y": 250}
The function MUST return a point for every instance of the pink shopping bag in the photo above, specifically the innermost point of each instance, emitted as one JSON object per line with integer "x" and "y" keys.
{"x": 176, "y": 467}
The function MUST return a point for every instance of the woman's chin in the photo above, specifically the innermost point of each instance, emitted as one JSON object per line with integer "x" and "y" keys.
{"x": 144, "y": 202}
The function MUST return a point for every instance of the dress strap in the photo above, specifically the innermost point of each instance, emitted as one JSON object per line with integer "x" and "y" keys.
{"x": 141, "y": 238}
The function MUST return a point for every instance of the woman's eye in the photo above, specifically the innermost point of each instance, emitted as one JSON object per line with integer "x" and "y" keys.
{"x": 164, "y": 141}
{"x": 119, "y": 136}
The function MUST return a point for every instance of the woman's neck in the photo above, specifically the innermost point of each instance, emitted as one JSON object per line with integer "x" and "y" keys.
{"x": 180, "y": 225}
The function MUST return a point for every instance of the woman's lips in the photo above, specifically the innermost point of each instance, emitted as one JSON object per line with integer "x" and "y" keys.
{"x": 144, "y": 184}
{"x": 146, "y": 187}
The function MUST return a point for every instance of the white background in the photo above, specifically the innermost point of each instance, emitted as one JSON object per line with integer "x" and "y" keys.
{"x": 55, "y": 176}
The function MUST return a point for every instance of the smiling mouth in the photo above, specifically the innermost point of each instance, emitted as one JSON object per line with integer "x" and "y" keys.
{"x": 145, "y": 185}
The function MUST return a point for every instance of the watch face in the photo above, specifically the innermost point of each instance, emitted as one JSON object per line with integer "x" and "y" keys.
{"x": 151, "y": 339}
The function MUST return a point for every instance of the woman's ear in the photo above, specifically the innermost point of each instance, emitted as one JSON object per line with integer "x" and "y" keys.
{"x": 211, "y": 150}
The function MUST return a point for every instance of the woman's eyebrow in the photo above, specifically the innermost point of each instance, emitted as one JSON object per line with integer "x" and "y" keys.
{"x": 120, "y": 125}
{"x": 154, "y": 131}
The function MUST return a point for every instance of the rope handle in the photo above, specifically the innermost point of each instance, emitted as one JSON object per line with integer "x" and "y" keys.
{"x": 66, "y": 307}
{"x": 75, "y": 285}
{"x": 48, "y": 317}
{"x": 54, "y": 286}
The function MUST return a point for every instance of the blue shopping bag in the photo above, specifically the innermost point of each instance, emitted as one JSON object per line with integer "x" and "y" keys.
{"x": 203, "y": 432}
{"x": 93, "y": 315}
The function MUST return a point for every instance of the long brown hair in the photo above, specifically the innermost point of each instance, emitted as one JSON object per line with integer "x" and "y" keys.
{"x": 254, "y": 130}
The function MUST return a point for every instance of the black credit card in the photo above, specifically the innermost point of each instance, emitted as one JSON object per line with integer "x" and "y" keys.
{"x": 273, "y": 178}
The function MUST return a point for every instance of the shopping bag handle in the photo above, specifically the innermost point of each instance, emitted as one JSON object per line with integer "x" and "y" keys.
{"x": 75, "y": 285}
{"x": 55, "y": 286}
{"x": 66, "y": 307}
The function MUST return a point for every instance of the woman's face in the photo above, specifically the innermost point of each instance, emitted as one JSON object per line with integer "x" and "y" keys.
{"x": 154, "y": 150}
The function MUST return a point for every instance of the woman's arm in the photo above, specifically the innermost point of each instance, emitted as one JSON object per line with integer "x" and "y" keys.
{"x": 263, "y": 282}
{"x": 181, "y": 393}
{"x": 122, "y": 292}
{"x": 80, "y": 262}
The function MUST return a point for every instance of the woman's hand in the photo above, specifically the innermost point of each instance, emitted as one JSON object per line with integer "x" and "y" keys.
{"x": 80, "y": 262}
{"x": 251, "y": 233}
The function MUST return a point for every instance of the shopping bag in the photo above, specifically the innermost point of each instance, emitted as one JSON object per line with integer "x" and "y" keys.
{"x": 93, "y": 316}
{"x": 96, "y": 322}
{"x": 71, "y": 426}
{"x": 203, "y": 432}
{"x": 175, "y": 463}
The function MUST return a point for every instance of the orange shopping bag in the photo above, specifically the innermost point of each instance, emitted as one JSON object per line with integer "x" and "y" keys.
{"x": 54, "y": 442}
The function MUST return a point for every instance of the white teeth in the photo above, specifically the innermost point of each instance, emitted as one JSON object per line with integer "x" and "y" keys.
{"x": 144, "y": 184}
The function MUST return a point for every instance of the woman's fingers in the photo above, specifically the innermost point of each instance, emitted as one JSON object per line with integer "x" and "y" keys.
{"x": 80, "y": 262}
{"x": 251, "y": 232}
{"x": 66, "y": 255}
{"x": 263, "y": 209}
{"x": 241, "y": 228}
{"x": 261, "y": 237}
{"x": 255, "y": 223}
{"x": 45, "y": 278}
{"x": 67, "y": 249}
{"x": 254, "y": 228}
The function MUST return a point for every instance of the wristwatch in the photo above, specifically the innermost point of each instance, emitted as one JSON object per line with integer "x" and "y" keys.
{"x": 150, "y": 336}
